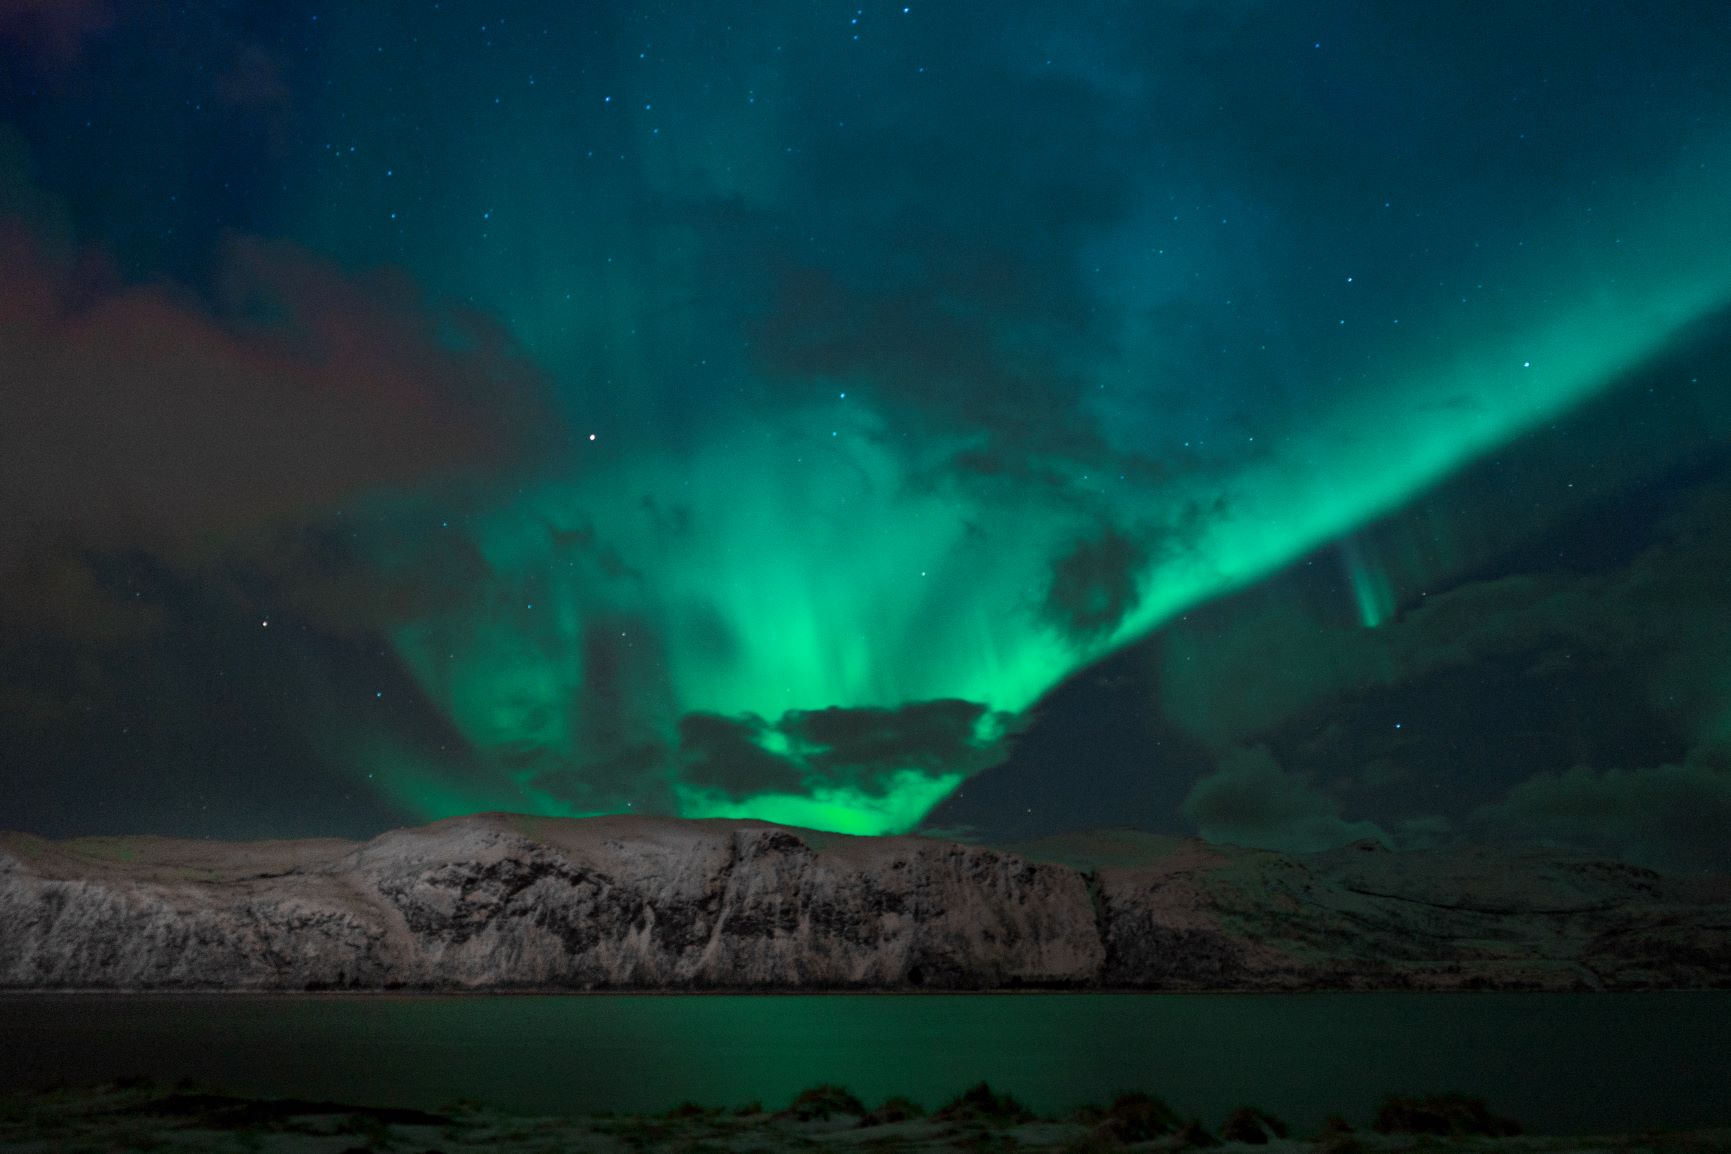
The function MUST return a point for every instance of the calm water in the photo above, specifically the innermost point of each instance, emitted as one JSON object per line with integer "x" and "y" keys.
{"x": 1556, "y": 1062}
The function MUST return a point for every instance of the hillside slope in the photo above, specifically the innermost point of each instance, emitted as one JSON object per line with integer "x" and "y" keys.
{"x": 498, "y": 901}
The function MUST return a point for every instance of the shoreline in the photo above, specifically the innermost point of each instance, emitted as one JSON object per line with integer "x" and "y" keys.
{"x": 832, "y": 992}
{"x": 1562, "y": 1065}
{"x": 142, "y": 1113}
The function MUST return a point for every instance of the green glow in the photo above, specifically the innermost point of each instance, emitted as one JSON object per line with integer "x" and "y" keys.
{"x": 908, "y": 798}
{"x": 788, "y": 560}
{"x": 417, "y": 783}
{"x": 1371, "y": 588}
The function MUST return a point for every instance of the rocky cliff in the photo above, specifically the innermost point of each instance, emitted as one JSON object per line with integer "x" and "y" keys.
{"x": 500, "y": 902}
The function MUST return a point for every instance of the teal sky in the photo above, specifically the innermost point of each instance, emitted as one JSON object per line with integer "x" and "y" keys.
{"x": 759, "y": 410}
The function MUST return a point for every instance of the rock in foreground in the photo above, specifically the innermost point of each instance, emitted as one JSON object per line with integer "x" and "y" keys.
{"x": 136, "y": 1115}
{"x": 508, "y": 902}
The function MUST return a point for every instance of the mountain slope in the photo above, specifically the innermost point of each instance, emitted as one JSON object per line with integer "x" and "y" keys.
{"x": 498, "y": 901}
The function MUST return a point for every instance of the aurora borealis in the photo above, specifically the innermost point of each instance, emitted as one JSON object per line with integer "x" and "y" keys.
{"x": 782, "y": 410}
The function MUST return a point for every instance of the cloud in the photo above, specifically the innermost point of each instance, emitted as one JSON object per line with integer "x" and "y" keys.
{"x": 852, "y": 744}
{"x": 149, "y": 417}
{"x": 1095, "y": 584}
{"x": 177, "y": 461}
{"x": 1666, "y": 817}
{"x": 635, "y": 773}
{"x": 141, "y": 414}
{"x": 54, "y": 30}
{"x": 1645, "y": 624}
{"x": 1424, "y": 832}
{"x": 1251, "y": 801}
{"x": 864, "y": 749}
{"x": 57, "y": 594}
{"x": 947, "y": 283}
{"x": 1576, "y": 708}
{"x": 727, "y": 753}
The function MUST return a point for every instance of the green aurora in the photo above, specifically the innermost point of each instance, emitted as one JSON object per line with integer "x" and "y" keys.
{"x": 822, "y": 576}
{"x": 759, "y": 409}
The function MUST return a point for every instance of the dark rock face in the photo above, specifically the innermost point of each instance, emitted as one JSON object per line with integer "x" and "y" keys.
{"x": 500, "y": 902}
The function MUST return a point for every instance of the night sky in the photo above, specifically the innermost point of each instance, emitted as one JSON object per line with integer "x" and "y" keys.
{"x": 1286, "y": 422}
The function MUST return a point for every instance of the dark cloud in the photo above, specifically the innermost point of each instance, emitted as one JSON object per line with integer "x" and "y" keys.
{"x": 1095, "y": 584}
{"x": 1251, "y": 801}
{"x": 933, "y": 736}
{"x": 1096, "y": 752}
{"x": 946, "y": 284}
{"x": 58, "y": 593}
{"x": 1518, "y": 698}
{"x": 727, "y": 753}
{"x": 255, "y": 80}
{"x": 862, "y": 748}
{"x": 145, "y": 417}
{"x": 405, "y": 570}
{"x": 1070, "y": 272}
{"x": 635, "y": 774}
{"x": 53, "y": 30}
{"x": 139, "y": 414}
{"x": 1555, "y": 636}
{"x": 580, "y": 540}
{"x": 178, "y": 466}
{"x": 935, "y": 363}
{"x": 1666, "y": 817}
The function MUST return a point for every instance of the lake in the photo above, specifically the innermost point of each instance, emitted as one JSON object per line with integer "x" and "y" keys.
{"x": 1561, "y": 1063}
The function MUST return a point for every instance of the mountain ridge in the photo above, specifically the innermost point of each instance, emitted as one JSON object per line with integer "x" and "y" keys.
{"x": 507, "y": 902}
